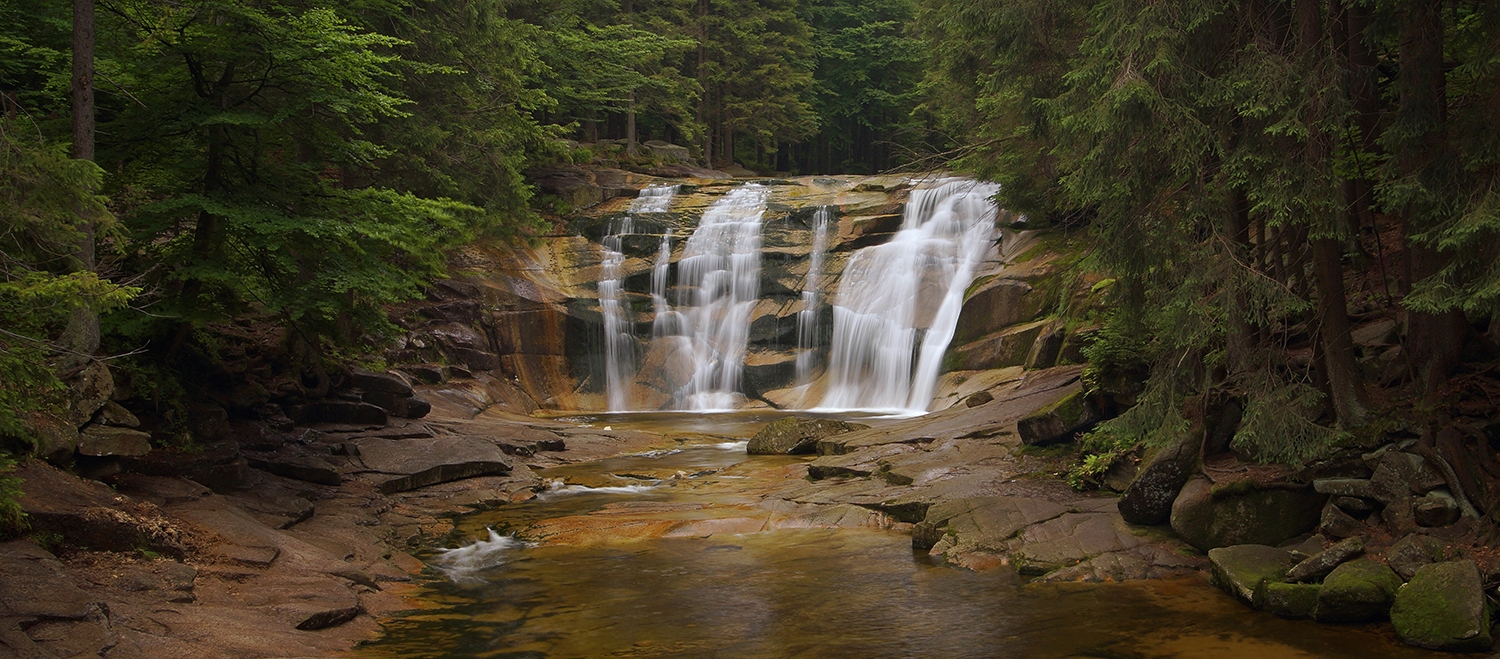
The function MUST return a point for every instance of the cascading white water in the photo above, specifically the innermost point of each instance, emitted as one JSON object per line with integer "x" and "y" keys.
{"x": 718, "y": 285}
{"x": 807, "y": 318}
{"x": 619, "y": 339}
{"x": 884, "y": 316}
{"x": 664, "y": 323}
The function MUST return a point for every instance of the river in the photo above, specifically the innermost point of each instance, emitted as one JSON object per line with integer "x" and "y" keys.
{"x": 734, "y": 579}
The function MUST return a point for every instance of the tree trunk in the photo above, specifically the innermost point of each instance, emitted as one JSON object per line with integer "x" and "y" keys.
{"x": 1345, "y": 389}
{"x": 1433, "y": 340}
{"x": 630, "y": 126}
{"x": 1344, "y": 384}
{"x": 81, "y": 336}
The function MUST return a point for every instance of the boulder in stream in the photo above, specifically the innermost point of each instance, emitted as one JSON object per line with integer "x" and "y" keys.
{"x": 794, "y": 436}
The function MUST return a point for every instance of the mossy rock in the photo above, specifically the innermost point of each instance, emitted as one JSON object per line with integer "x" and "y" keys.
{"x": 1243, "y": 514}
{"x": 1244, "y": 570}
{"x": 1057, "y": 422}
{"x": 1291, "y": 600}
{"x": 793, "y": 436}
{"x": 1003, "y": 349}
{"x": 1358, "y": 591}
{"x": 1443, "y": 608}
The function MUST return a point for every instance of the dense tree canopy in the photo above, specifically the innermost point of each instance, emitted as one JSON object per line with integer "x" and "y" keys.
{"x": 1242, "y": 165}
{"x": 1254, "y": 175}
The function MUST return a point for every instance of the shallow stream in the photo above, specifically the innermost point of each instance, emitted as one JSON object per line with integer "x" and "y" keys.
{"x": 789, "y": 592}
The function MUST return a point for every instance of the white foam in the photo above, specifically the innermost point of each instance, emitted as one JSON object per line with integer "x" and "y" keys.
{"x": 732, "y": 446}
{"x": 463, "y": 564}
{"x": 558, "y": 487}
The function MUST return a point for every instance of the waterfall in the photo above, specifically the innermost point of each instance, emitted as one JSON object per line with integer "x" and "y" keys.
{"x": 807, "y": 318}
{"x": 664, "y": 321}
{"x": 898, "y": 303}
{"x": 619, "y": 339}
{"x": 717, "y": 289}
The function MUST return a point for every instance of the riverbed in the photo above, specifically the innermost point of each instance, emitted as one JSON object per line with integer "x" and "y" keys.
{"x": 675, "y": 552}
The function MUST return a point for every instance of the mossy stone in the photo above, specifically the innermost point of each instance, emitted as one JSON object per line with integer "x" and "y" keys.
{"x": 1443, "y": 608}
{"x": 1058, "y": 421}
{"x": 1357, "y": 591}
{"x": 1244, "y": 570}
{"x": 1291, "y": 600}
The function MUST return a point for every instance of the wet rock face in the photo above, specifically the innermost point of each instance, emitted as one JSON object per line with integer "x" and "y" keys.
{"x": 532, "y": 314}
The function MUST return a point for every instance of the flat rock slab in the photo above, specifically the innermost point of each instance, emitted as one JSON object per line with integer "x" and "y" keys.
{"x": 982, "y": 522}
{"x": 792, "y": 435}
{"x": 298, "y": 465}
{"x": 408, "y": 464}
{"x": 1069, "y": 540}
{"x": 1443, "y": 608}
{"x": 1143, "y": 562}
{"x": 1243, "y": 570}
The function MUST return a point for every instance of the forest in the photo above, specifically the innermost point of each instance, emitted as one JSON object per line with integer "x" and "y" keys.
{"x": 1253, "y": 176}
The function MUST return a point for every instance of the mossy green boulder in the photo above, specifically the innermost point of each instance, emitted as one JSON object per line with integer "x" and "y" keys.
{"x": 1291, "y": 600}
{"x": 1244, "y": 570}
{"x": 1443, "y": 608}
{"x": 1358, "y": 591}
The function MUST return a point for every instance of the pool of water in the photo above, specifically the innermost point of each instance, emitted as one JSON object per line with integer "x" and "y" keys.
{"x": 793, "y": 592}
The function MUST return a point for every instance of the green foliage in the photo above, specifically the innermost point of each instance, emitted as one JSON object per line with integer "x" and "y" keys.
{"x": 43, "y": 194}
{"x": 866, "y": 86}
{"x": 1279, "y": 425}
{"x": 254, "y": 200}
{"x": 1089, "y": 472}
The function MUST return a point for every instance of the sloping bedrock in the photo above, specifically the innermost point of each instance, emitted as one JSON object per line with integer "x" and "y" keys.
{"x": 1013, "y": 400}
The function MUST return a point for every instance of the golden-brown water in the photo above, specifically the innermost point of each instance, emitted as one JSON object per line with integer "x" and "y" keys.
{"x": 800, "y": 592}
